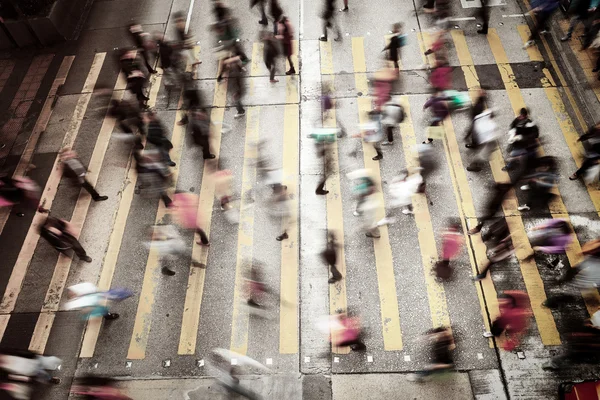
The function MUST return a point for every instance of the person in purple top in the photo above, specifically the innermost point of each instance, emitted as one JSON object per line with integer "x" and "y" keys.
{"x": 551, "y": 237}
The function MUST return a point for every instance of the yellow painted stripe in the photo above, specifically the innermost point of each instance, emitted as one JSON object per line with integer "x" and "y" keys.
{"x": 19, "y": 270}
{"x": 92, "y": 330}
{"x": 529, "y": 270}
{"x": 195, "y": 288}
{"x": 461, "y": 185}
{"x": 239, "y": 323}
{"x": 435, "y": 290}
{"x": 326, "y": 58}
{"x": 257, "y": 58}
{"x": 143, "y": 317}
{"x": 384, "y": 264}
{"x": 57, "y": 284}
{"x": 288, "y": 305}
{"x": 40, "y": 126}
{"x": 424, "y": 39}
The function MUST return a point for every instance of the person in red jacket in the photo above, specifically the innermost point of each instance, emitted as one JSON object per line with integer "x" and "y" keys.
{"x": 515, "y": 314}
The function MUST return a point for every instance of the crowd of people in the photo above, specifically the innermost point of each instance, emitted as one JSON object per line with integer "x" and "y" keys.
{"x": 529, "y": 171}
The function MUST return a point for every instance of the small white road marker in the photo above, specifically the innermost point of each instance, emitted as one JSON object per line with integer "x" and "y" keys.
{"x": 128, "y": 364}
{"x": 336, "y": 359}
{"x": 369, "y": 358}
{"x": 234, "y": 361}
{"x": 200, "y": 363}
{"x": 521, "y": 355}
{"x": 406, "y": 358}
{"x": 269, "y": 361}
{"x": 306, "y": 359}
{"x": 166, "y": 363}
{"x": 479, "y": 356}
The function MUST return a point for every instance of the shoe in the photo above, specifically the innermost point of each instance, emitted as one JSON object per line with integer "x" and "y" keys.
{"x": 20, "y": 214}
{"x": 565, "y": 38}
{"x": 292, "y": 71}
{"x": 596, "y": 70}
{"x": 322, "y": 192}
{"x": 219, "y": 79}
{"x": 239, "y": 115}
{"x": 573, "y": 177}
{"x": 274, "y": 80}
{"x": 469, "y": 146}
{"x": 428, "y": 10}
{"x": 210, "y": 157}
{"x": 111, "y": 316}
{"x": 323, "y": 38}
{"x": 203, "y": 244}
{"x": 344, "y": 9}
{"x": 386, "y": 221}
{"x": 543, "y": 32}
{"x": 167, "y": 271}
{"x": 407, "y": 212}
{"x": 488, "y": 334}
{"x": 377, "y": 158}
{"x": 55, "y": 381}
{"x": 357, "y": 213}
{"x": 369, "y": 234}
{"x": 478, "y": 278}
{"x": 182, "y": 122}
{"x": 387, "y": 143}
{"x": 524, "y": 207}
{"x": 100, "y": 198}
{"x": 474, "y": 231}
{"x": 473, "y": 168}
{"x": 338, "y": 39}
{"x": 549, "y": 366}
{"x": 252, "y": 303}
{"x": 282, "y": 237}
{"x": 171, "y": 163}
{"x": 333, "y": 280}
{"x": 86, "y": 258}
{"x": 263, "y": 22}
{"x": 482, "y": 31}
{"x": 528, "y": 43}
{"x": 525, "y": 188}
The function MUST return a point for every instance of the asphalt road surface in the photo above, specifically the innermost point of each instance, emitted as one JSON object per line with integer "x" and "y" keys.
{"x": 171, "y": 323}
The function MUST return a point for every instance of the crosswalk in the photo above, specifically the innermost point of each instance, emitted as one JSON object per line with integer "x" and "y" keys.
{"x": 388, "y": 281}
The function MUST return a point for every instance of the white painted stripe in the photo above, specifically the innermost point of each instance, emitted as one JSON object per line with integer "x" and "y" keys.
{"x": 189, "y": 16}
{"x": 463, "y": 19}
{"x": 514, "y": 16}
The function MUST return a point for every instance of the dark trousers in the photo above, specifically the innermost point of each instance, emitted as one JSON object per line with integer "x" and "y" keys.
{"x": 484, "y": 16}
{"x": 75, "y": 245}
{"x": 542, "y": 20}
{"x": 136, "y": 86}
{"x": 146, "y": 57}
{"x": 90, "y": 189}
{"x": 204, "y": 143}
{"x": 239, "y": 107}
{"x": 390, "y": 134}
{"x": 289, "y": 58}
{"x": 588, "y": 163}
{"x": 263, "y": 15}
{"x": 331, "y": 23}
{"x": 271, "y": 67}
{"x": 203, "y": 237}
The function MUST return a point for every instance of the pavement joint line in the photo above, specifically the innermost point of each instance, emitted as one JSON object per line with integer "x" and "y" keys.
{"x": 21, "y": 265}
{"x": 40, "y": 126}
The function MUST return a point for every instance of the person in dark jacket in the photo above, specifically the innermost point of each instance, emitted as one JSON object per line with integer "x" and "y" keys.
{"x": 74, "y": 169}
{"x": 285, "y": 33}
{"x": 330, "y": 257}
{"x": 270, "y": 53}
{"x": 200, "y": 127}
{"x": 127, "y": 114}
{"x": 261, "y": 7}
{"x": 61, "y": 235}
{"x": 156, "y": 136}
{"x": 329, "y": 21}
{"x": 276, "y": 13}
{"x": 396, "y": 42}
{"x": 477, "y": 108}
{"x": 192, "y": 98}
{"x": 523, "y": 140}
{"x": 143, "y": 42}
{"x": 580, "y": 10}
{"x": 543, "y": 12}
{"x": 592, "y": 137}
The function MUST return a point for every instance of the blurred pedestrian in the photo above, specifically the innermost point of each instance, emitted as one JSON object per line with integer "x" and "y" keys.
{"x": 503, "y": 249}
{"x": 540, "y": 184}
{"x": 329, "y": 255}
{"x": 276, "y": 13}
{"x": 98, "y": 388}
{"x": 200, "y": 128}
{"x": 393, "y": 114}
{"x": 128, "y": 116}
{"x": 143, "y": 42}
{"x": 170, "y": 61}
{"x": 285, "y": 33}
{"x": 167, "y": 242}
{"x": 270, "y": 53}
{"x": 551, "y": 237}
{"x": 185, "y": 40}
{"x": 397, "y": 41}
{"x": 20, "y": 191}
{"x": 92, "y": 302}
{"x": 494, "y": 202}
{"x": 452, "y": 242}
{"x": 592, "y": 139}
{"x": 74, "y": 169}
{"x": 440, "y": 78}
{"x": 280, "y": 207}
{"x": 515, "y": 315}
{"x": 329, "y": 21}
{"x": 581, "y": 345}
{"x": 402, "y": 188}
{"x": 543, "y": 10}
{"x": 441, "y": 343}
{"x": 485, "y": 131}
{"x": 153, "y": 173}
{"x": 523, "y": 142}
{"x": 477, "y": 108}
{"x": 60, "y": 234}
{"x": 363, "y": 187}
{"x": 236, "y": 83}
{"x": 439, "y": 108}
{"x": 191, "y": 96}
{"x": 185, "y": 207}
{"x": 157, "y": 137}
{"x": 484, "y": 16}
{"x": 579, "y": 10}
{"x": 261, "y": 7}
{"x": 323, "y": 143}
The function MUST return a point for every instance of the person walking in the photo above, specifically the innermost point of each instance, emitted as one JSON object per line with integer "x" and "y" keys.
{"x": 496, "y": 197}
{"x": 285, "y": 33}
{"x": 270, "y": 53}
{"x": 236, "y": 79}
{"x": 185, "y": 206}
{"x": 60, "y": 234}
{"x": 200, "y": 128}
{"x": 74, "y": 169}
{"x": 156, "y": 136}
{"x": 136, "y": 82}
{"x": 523, "y": 137}
{"x": 592, "y": 139}
{"x": 484, "y": 16}
{"x": 127, "y": 115}
{"x": 143, "y": 42}
{"x": 261, "y": 7}
{"x": 477, "y": 108}
{"x": 329, "y": 21}
{"x": 276, "y": 13}
{"x": 540, "y": 184}
{"x": 579, "y": 10}
{"x": 192, "y": 98}
{"x": 397, "y": 41}
{"x": 329, "y": 255}
{"x": 439, "y": 108}
{"x": 185, "y": 40}
{"x": 393, "y": 114}
{"x": 486, "y": 133}
{"x": 515, "y": 315}
{"x": 543, "y": 12}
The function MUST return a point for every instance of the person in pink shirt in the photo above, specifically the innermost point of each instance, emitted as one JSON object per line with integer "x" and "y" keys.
{"x": 515, "y": 314}
{"x": 452, "y": 242}
{"x": 185, "y": 206}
